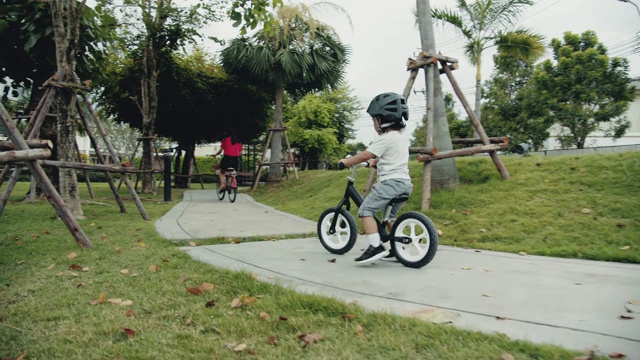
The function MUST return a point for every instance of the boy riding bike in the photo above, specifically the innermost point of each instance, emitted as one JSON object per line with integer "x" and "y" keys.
{"x": 390, "y": 153}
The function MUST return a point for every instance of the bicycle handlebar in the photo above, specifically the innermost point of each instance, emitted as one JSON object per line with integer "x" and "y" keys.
{"x": 342, "y": 166}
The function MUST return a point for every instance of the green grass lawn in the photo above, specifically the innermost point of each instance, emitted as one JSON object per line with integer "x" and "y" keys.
{"x": 129, "y": 297}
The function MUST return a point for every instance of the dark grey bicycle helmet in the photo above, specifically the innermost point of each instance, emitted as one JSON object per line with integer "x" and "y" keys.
{"x": 390, "y": 107}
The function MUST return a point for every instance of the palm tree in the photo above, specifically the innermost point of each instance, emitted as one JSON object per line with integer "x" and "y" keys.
{"x": 482, "y": 23}
{"x": 299, "y": 55}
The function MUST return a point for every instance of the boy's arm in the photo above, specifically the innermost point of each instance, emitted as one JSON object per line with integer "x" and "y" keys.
{"x": 358, "y": 158}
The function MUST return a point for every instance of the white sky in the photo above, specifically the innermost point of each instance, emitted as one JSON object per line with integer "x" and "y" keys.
{"x": 384, "y": 36}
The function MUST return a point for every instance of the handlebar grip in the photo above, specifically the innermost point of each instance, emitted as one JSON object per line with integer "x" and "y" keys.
{"x": 341, "y": 166}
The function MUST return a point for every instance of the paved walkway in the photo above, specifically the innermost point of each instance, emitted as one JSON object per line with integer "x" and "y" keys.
{"x": 576, "y": 304}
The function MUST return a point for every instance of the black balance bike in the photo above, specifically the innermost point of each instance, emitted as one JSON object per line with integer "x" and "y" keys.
{"x": 414, "y": 239}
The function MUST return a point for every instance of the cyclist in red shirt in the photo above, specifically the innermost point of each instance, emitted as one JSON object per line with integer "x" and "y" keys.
{"x": 232, "y": 149}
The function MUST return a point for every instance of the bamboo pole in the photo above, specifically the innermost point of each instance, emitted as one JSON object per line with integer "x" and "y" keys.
{"x": 114, "y": 155}
{"x": 462, "y": 152}
{"x": 100, "y": 157}
{"x": 475, "y": 122}
{"x": 471, "y": 141}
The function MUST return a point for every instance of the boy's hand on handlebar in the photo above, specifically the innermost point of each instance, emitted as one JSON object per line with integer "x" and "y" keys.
{"x": 341, "y": 165}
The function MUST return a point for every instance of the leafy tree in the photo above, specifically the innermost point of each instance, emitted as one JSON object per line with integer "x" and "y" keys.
{"x": 583, "y": 90}
{"x": 511, "y": 108}
{"x": 248, "y": 14}
{"x": 300, "y": 55}
{"x": 481, "y": 23}
{"x": 320, "y": 124}
{"x": 166, "y": 27}
{"x": 459, "y": 128}
{"x": 203, "y": 101}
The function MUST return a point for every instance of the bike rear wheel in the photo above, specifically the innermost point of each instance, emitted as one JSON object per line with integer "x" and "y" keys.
{"x": 423, "y": 237}
{"x": 345, "y": 235}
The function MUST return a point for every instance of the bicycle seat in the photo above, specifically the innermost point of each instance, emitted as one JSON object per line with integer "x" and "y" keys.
{"x": 399, "y": 199}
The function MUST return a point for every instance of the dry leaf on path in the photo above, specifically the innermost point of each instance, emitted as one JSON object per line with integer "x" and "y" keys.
{"x": 616, "y": 355}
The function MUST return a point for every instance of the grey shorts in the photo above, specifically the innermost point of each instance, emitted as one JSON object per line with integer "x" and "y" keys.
{"x": 380, "y": 195}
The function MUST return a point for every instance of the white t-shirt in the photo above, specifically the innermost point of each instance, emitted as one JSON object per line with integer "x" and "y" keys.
{"x": 392, "y": 148}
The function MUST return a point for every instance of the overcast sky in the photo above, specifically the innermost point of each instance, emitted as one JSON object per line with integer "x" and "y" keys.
{"x": 384, "y": 36}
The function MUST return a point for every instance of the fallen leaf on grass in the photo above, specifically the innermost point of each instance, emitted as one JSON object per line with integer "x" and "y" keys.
{"x": 440, "y": 233}
{"x": 282, "y": 318}
{"x": 625, "y": 247}
{"x": 585, "y": 211}
{"x": 206, "y": 286}
{"x": 506, "y": 356}
{"x": 153, "y": 268}
{"x": 124, "y": 271}
{"x": 182, "y": 279}
{"x": 348, "y": 316}
{"x": 240, "y": 348}
{"x": 129, "y": 313}
{"x": 114, "y": 301}
{"x": 34, "y": 236}
{"x": 306, "y": 339}
{"x": 129, "y": 332}
{"x": 118, "y": 250}
{"x": 72, "y": 255}
{"x": 102, "y": 298}
{"x": 126, "y": 303}
{"x": 210, "y": 303}
{"x": 264, "y": 316}
{"x": 51, "y": 266}
{"x": 621, "y": 226}
{"x": 359, "y": 330}
{"x": 236, "y": 303}
{"x": 188, "y": 321}
{"x": 522, "y": 253}
{"x": 194, "y": 290}
{"x": 192, "y": 243}
{"x": 272, "y": 340}
{"x": 75, "y": 267}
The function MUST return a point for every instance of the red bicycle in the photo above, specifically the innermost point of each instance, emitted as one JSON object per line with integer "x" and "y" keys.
{"x": 230, "y": 185}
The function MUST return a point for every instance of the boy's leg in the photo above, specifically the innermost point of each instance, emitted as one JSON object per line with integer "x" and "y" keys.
{"x": 374, "y": 202}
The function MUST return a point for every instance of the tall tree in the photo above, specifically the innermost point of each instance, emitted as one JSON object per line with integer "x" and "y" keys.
{"x": 481, "y": 22}
{"x": 444, "y": 172}
{"x": 320, "y": 124}
{"x": 583, "y": 90}
{"x": 299, "y": 54}
{"x": 166, "y": 27}
{"x": 510, "y": 108}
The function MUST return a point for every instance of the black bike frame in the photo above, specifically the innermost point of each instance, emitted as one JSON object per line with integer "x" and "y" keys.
{"x": 350, "y": 193}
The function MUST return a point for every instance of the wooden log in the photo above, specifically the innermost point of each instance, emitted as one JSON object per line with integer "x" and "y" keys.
{"x": 462, "y": 152}
{"x": 7, "y": 157}
{"x": 47, "y": 187}
{"x": 439, "y": 57}
{"x": 423, "y": 150}
{"x": 35, "y": 143}
{"x": 452, "y": 67}
{"x": 417, "y": 64}
{"x": 83, "y": 166}
{"x": 471, "y": 141}
{"x": 412, "y": 79}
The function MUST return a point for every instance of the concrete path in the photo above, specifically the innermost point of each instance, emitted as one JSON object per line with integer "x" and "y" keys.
{"x": 576, "y": 304}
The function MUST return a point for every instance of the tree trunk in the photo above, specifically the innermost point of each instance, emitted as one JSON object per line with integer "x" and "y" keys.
{"x": 275, "y": 170}
{"x": 478, "y": 106}
{"x": 444, "y": 172}
{"x": 149, "y": 90}
{"x": 66, "y": 25}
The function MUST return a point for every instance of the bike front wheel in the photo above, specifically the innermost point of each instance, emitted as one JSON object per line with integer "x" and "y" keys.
{"x": 421, "y": 235}
{"x": 346, "y": 232}
{"x": 220, "y": 193}
{"x": 233, "y": 192}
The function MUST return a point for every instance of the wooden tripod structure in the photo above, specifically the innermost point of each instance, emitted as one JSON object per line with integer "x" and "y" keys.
{"x": 429, "y": 153}
{"x": 35, "y": 158}
{"x": 285, "y": 160}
